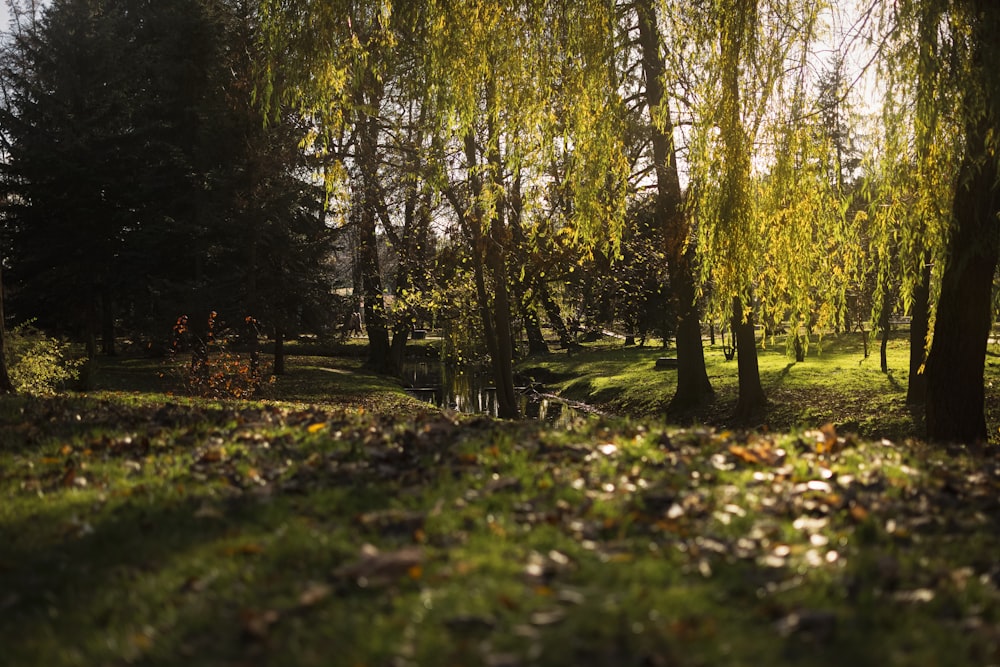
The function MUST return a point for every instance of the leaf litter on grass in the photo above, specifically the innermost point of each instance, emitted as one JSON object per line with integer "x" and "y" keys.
{"x": 502, "y": 543}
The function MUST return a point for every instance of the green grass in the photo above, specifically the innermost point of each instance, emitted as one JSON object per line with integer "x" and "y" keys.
{"x": 836, "y": 383}
{"x": 319, "y": 526}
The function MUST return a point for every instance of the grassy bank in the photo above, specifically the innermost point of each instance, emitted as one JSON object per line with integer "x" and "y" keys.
{"x": 152, "y": 530}
{"x": 836, "y": 383}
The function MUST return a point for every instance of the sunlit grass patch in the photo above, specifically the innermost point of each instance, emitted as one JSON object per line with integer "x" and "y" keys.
{"x": 836, "y": 383}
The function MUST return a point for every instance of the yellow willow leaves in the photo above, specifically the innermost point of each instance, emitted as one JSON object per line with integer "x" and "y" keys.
{"x": 769, "y": 218}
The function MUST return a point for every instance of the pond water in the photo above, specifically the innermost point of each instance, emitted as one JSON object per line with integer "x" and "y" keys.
{"x": 471, "y": 390}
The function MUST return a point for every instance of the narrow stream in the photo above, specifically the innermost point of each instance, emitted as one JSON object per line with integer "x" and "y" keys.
{"x": 471, "y": 390}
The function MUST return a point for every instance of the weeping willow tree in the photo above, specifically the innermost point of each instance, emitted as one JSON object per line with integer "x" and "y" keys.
{"x": 912, "y": 174}
{"x": 334, "y": 63}
{"x": 772, "y": 221}
{"x": 955, "y": 407}
{"x": 514, "y": 85}
{"x": 942, "y": 197}
{"x": 675, "y": 220}
{"x": 499, "y": 87}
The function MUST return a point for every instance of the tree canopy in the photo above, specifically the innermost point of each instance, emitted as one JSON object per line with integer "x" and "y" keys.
{"x": 728, "y": 142}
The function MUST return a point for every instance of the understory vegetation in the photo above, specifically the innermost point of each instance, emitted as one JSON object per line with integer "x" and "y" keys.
{"x": 343, "y": 522}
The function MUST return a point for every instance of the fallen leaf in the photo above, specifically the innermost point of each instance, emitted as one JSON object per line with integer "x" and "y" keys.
{"x": 207, "y": 511}
{"x": 548, "y": 617}
{"x": 257, "y": 624}
{"x": 316, "y": 428}
{"x": 392, "y": 521}
{"x": 212, "y": 455}
{"x": 247, "y": 549}
{"x": 918, "y": 595}
{"x": 744, "y": 454}
{"x": 313, "y": 594}
{"x": 376, "y": 567}
{"x": 858, "y": 513}
{"x": 818, "y": 624}
{"x": 829, "y": 432}
{"x": 470, "y": 624}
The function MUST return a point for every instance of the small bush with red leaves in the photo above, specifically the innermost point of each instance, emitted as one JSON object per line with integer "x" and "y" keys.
{"x": 215, "y": 371}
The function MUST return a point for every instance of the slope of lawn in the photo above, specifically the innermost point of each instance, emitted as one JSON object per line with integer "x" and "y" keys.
{"x": 836, "y": 383}
{"x": 149, "y": 529}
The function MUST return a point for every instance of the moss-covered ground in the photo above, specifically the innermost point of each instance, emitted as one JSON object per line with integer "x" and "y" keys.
{"x": 339, "y": 522}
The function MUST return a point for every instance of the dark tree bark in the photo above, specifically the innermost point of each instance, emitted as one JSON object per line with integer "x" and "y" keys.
{"x": 107, "y": 323}
{"x": 403, "y": 325}
{"x": 495, "y": 311}
{"x": 521, "y": 280}
{"x": 6, "y": 386}
{"x": 553, "y": 314}
{"x": 751, "y": 401}
{"x": 496, "y": 251}
{"x": 279, "y": 351}
{"x": 693, "y": 386}
{"x": 955, "y": 407}
{"x": 886, "y": 330}
{"x": 864, "y": 334}
{"x": 401, "y": 331}
{"x": 916, "y": 386}
{"x": 533, "y": 329}
{"x": 884, "y": 349}
{"x": 371, "y": 279}
{"x": 800, "y": 350}
{"x": 91, "y": 324}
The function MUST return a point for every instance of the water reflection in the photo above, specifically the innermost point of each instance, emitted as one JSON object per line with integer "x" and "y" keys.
{"x": 471, "y": 390}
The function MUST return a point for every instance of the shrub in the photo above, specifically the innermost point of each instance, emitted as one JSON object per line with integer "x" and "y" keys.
{"x": 37, "y": 363}
{"x": 214, "y": 371}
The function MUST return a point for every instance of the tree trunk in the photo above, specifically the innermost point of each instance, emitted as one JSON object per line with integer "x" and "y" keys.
{"x": 6, "y": 386}
{"x": 552, "y": 313}
{"x": 884, "y": 349}
{"x": 496, "y": 250}
{"x": 864, "y": 334}
{"x": 693, "y": 386}
{"x": 279, "y": 351}
{"x": 374, "y": 311}
{"x": 92, "y": 326}
{"x": 494, "y": 313}
{"x": 955, "y": 406}
{"x": 751, "y": 402}
{"x": 521, "y": 281}
{"x": 403, "y": 325}
{"x": 503, "y": 365}
{"x": 533, "y": 330}
{"x": 884, "y": 321}
{"x": 916, "y": 386}
{"x": 371, "y": 278}
{"x": 107, "y": 323}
